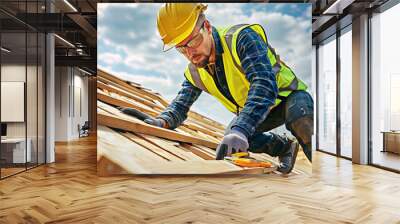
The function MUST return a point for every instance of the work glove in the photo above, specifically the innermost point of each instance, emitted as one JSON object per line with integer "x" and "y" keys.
{"x": 233, "y": 142}
{"x": 134, "y": 113}
{"x": 156, "y": 122}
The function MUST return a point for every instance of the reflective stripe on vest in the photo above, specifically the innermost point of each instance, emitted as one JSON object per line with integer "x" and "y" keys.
{"x": 196, "y": 78}
{"x": 275, "y": 68}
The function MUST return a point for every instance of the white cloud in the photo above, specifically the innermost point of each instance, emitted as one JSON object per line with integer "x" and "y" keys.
{"x": 151, "y": 82}
{"x": 135, "y": 60}
{"x": 100, "y": 32}
{"x": 101, "y": 7}
{"x": 132, "y": 35}
{"x": 109, "y": 58}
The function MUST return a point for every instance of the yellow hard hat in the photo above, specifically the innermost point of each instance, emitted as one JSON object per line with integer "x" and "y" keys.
{"x": 176, "y": 21}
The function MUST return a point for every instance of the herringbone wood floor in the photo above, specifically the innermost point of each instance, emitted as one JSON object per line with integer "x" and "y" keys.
{"x": 70, "y": 192}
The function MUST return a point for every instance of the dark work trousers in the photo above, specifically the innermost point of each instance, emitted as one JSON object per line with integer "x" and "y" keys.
{"x": 297, "y": 113}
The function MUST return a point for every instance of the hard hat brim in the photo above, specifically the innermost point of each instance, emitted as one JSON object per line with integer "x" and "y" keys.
{"x": 167, "y": 47}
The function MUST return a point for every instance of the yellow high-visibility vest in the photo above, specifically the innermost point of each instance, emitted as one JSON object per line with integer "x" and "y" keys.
{"x": 235, "y": 77}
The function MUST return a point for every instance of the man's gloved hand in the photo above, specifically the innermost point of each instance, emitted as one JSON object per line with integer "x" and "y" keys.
{"x": 235, "y": 142}
{"x": 156, "y": 122}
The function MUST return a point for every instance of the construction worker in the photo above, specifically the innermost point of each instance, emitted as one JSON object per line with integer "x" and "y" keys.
{"x": 237, "y": 66}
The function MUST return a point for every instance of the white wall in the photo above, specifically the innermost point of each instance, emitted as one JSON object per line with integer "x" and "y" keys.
{"x": 16, "y": 73}
{"x": 61, "y": 103}
{"x": 71, "y": 94}
{"x": 81, "y": 82}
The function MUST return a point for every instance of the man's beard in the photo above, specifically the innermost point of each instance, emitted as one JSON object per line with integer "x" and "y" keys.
{"x": 203, "y": 63}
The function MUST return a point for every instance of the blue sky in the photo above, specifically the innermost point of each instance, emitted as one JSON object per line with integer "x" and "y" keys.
{"x": 129, "y": 45}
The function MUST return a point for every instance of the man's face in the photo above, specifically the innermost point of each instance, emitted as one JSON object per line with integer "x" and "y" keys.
{"x": 197, "y": 46}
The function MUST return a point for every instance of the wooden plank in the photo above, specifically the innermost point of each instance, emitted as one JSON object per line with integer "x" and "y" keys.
{"x": 127, "y": 94}
{"x": 152, "y": 147}
{"x": 211, "y": 138}
{"x": 128, "y": 146}
{"x": 114, "y": 111}
{"x": 115, "y": 156}
{"x": 113, "y": 80}
{"x": 129, "y": 89}
{"x": 102, "y": 73}
{"x": 105, "y": 75}
{"x": 118, "y": 113}
{"x": 198, "y": 152}
{"x": 206, "y": 120}
{"x": 116, "y": 80}
{"x": 119, "y": 83}
{"x": 111, "y": 111}
{"x": 129, "y": 100}
{"x": 121, "y": 103}
{"x": 119, "y": 153}
{"x": 205, "y": 125}
{"x": 206, "y": 149}
{"x": 189, "y": 131}
{"x": 141, "y": 127}
{"x": 202, "y": 118}
{"x": 193, "y": 126}
{"x": 171, "y": 148}
{"x": 198, "y": 134}
{"x": 180, "y": 130}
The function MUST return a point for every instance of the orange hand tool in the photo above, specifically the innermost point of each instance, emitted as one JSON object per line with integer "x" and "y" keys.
{"x": 243, "y": 159}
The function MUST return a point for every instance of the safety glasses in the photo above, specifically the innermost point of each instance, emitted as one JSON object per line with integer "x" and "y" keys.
{"x": 194, "y": 42}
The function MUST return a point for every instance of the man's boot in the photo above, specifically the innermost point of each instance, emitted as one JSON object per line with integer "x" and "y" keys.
{"x": 288, "y": 158}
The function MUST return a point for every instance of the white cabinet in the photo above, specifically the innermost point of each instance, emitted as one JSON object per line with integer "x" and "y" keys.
{"x": 15, "y": 148}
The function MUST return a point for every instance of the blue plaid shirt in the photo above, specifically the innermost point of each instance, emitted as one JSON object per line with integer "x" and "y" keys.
{"x": 252, "y": 51}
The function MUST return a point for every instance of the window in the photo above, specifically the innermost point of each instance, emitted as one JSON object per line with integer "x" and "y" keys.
{"x": 385, "y": 89}
{"x": 22, "y": 77}
{"x": 346, "y": 93}
{"x": 15, "y": 149}
{"x": 327, "y": 96}
{"x": 314, "y": 91}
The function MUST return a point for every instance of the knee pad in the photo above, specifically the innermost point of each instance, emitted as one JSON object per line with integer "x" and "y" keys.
{"x": 302, "y": 128}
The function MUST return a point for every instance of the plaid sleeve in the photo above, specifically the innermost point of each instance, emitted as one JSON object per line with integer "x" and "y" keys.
{"x": 177, "y": 111}
{"x": 252, "y": 52}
